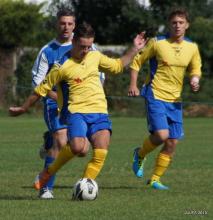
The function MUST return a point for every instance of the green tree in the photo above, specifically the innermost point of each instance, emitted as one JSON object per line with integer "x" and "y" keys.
{"x": 23, "y": 74}
{"x": 115, "y": 21}
{"x": 161, "y": 8}
{"x": 21, "y": 24}
{"x": 201, "y": 31}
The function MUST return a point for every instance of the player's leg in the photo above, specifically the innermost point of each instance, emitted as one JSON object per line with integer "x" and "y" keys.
{"x": 59, "y": 135}
{"x": 99, "y": 132}
{"x": 77, "y": 145}
{"x": 47, "y": 144}
{"x": 164, "y": 158}
{"x": 158, "y": 127}
{"x": 59, "y": 140}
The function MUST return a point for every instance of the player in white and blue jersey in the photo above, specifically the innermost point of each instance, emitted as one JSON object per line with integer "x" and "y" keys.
{"x": 48, "y": 55}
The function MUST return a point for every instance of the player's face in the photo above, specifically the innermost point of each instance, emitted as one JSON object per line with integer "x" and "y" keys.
{"x": 65, "y": 27}
{"x": 81, "y": 47}
{"x": 178, "y": 26}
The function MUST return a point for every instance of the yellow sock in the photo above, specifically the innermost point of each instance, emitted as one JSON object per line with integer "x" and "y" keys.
{"x": 64, "y": 156}
{"x": 148, "y": 146}
{"x": 162, "y": 163}
{"x": 95, "y": 165}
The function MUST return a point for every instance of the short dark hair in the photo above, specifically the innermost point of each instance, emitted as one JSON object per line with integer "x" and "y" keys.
{"x": 182, "y": 12}
{"x": 65, "y": 12}
{"x": 84, "y": 30}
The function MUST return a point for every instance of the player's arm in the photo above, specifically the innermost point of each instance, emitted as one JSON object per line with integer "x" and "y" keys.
{"x": 39, "y": 72}
{"x": 195, "y": 71}
{"x": 195, "y": 83}
{"x": 138, "y": 44}
{"x": 40, "y": 69}
{"x": 146, "y": 53}
{"x": 115, "y": 66}
{"x": 31, "y": 100}
{"x": 43, "y": 89}
{"x": 133, "y": 88}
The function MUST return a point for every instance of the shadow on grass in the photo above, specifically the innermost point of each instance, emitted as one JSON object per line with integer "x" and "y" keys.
{"x": 11, "y": 197}
{"x": 32, "y": 197}
{"x": 101, "y": 187}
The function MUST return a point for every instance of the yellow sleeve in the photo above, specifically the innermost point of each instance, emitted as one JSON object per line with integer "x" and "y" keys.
{"x": 146, "y": 53}
{"x": 52, "y": 78}
{"x": 195, "y": 64}
{"x": 111, "y": 65}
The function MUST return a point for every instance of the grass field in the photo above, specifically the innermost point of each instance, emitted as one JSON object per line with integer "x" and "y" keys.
{"x": 121, "y": 195}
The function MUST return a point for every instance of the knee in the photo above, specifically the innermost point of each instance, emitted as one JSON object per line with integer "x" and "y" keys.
{"x": 78, "y": 147}
{"x": 84, "y": 152}
{"x": 170, "y": 146}
{"x": 160, "y": 137}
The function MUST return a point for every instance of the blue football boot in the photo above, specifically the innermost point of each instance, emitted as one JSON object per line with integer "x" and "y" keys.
{"x": 138, "y": 164}
{"x": 156, "y": 184}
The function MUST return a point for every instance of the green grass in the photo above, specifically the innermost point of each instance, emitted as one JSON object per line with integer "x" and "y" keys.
{"x": 121, "y": 195}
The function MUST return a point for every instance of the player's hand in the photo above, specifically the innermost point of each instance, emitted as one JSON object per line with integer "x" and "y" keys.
{"x": 16, "y": 111}
{"x": 194, "y": 83}
{"x": 140, "y": 40}
{"x": 133, "y": 91}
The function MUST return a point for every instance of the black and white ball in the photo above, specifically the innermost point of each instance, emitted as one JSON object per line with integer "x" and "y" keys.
{"x": 85, "y": 189}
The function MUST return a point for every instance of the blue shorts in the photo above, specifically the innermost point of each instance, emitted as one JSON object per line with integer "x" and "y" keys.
{"x": 165, "y": 115}
{"x": 52, "y": 116}
{"x": 85, "y": 125}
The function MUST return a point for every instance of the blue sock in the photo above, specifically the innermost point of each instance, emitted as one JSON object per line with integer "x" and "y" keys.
{"x": 50, "y": 183}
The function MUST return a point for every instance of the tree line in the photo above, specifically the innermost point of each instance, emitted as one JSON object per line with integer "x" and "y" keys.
{"x": 116, "y": 22}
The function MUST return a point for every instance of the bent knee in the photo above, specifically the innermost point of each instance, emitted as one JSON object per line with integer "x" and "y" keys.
{"x": 160, "y": 136}
{"x": 79, "y": 146}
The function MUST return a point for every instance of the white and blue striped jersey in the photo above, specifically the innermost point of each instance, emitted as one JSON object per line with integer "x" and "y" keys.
{"x": 48, "y": 55}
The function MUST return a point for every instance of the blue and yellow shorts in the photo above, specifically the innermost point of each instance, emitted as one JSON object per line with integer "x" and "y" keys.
{"x": 85, "y": 125}
{"x": 165, "y": 115}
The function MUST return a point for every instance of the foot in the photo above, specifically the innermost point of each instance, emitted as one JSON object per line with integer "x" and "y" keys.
{"x": 45, "y": 193}
{"x": 42, "y": 179}
{"x": 138, "y": 164}
{"x": 157, "y": 185}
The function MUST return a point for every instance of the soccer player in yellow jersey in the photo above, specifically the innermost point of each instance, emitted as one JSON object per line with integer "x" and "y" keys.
{"x": 87, "y": 115}
{"x": 171, "y": 57}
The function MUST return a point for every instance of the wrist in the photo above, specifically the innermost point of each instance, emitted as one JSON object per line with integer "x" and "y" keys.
{"x": 23, "y": 109}
{"x": 135, "y": 49}
{"x": 195, "y": 79}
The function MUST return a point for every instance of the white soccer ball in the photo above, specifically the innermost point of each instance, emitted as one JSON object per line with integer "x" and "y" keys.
{"x": 85, "y": 189}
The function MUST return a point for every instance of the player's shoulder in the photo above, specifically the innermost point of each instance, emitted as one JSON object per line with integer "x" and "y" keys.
{"x": 190, "y": 45}
{"x": 64, "y": 58}
{"x": 190, "y": 41}
{"x": 161, "y": 37}
{"x": 48, "y": 47}
{"x": 95, "y": 53}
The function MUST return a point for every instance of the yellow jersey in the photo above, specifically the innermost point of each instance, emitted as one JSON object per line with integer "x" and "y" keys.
{"x": 80, "y": 82}
{"x": 169, "y": 62}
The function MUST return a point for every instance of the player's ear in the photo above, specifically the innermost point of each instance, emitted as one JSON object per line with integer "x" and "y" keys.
{"x": 187, "y": 25}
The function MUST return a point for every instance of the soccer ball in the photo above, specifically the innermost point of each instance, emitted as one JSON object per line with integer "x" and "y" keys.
{"x": 85, "y": 189}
